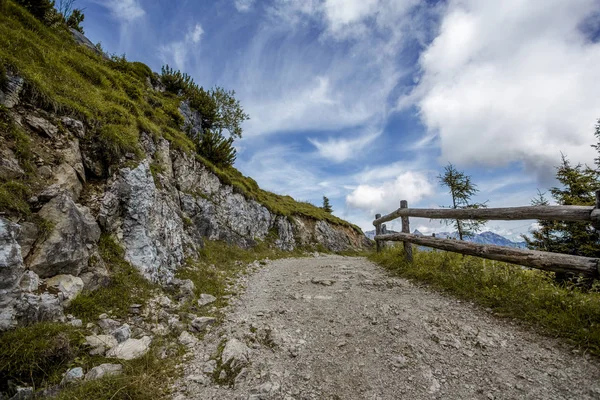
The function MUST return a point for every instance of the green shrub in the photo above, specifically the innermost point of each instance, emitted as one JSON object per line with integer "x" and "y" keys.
{"x": 37, "y": 355}
{"x": 215, "y": 148}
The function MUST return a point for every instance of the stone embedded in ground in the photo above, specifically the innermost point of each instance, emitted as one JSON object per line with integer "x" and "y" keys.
{"x": 209, "y": 367}
{"x": 235, "y": 353}
{"x": 206, "y": 299}
{"x": 122, "y": 333}
{"x": 70, "y": 286}
{"x": 72, "y": 375}
{"x": 130, "y": 349}
{"x": 41, "y": 125}
{"x": 108, "y": 325}
{"x": 324, "y": 282}
{"x": 200, "y": 324}
{"x": 103, "y": 370}
{"x": 100, "y": 343}
{"x": 187, "y": 339}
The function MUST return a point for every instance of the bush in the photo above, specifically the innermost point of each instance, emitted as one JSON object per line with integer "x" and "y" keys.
{"x": 38, "y": 8}
{"x": 217, "y": 149}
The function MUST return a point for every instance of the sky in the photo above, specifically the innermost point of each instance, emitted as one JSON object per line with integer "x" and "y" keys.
{"x": 366, "y": 101}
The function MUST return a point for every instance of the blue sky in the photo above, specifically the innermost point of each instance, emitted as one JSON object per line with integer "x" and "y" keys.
{"x": 365, "y": 101}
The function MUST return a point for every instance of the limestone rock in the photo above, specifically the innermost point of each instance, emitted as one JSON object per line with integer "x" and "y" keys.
{"x": 130, "y": 349}
{"x": 152, "y": 230}
{"x": 206, "y": 299}
{"x": 41, "y": 125}
{"x": 31, "y": 308}
{"x": 9, "y": 97}
{"x": 192, "y": 120}
{"x": 103, "y": 370}
{"x": 235, "y": 353}
{"x": 122, "y": 333}
{"x": 67, "y": 248}
{"x": 108, "y": 325}
{"x": 332, "y": 239}
{"x": 187, "y": 339}
{"x": 11, "y": 261}
{"x": 72, "y": 375}
{"x": 9, "y": 165}
{"x": 200, "y": 324}
{"x": 66, "y": 180}
{"x": 285, "y": 231}
{"x": 70, "y": 286}
{"x": 74, "y": 126}
{"x": 71, "y": 155}
{"x": 30, "y": 282}
{"x": 100, "y": 343}
{"x": 27, "y": 237}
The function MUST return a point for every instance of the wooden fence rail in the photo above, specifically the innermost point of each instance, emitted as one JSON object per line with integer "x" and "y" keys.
{"x": 536, "y": 259}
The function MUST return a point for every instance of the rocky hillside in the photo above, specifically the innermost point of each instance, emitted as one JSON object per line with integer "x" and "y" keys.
{"x": 92, "y": 147}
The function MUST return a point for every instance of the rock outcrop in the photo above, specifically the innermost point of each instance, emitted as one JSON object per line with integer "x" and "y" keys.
{"x": 159, "y": 205}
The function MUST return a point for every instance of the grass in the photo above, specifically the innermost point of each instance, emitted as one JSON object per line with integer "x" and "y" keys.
{"x": 126, "y": 286}
{"x": 531, "y": 296}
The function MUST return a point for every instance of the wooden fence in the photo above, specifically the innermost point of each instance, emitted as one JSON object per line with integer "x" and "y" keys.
{"x": 531, "y": 258}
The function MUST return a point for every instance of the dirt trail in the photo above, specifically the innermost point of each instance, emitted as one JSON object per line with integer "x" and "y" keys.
{"x": 337, "y": 327}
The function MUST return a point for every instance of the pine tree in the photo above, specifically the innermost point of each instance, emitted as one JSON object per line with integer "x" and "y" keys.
{"x": 462, "y": 189}
{"x": 579, "y": 184}
{"x": 326, "y": 206}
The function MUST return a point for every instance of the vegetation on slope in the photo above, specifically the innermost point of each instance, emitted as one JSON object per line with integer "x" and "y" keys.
{"x": 531, "y": 296}
{"x": 115, "y": 100}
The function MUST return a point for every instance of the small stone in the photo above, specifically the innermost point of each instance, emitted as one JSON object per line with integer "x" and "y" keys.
{"x": 200, "y": 324}
{"x": 122, "y": 333}
{"x": 108, "y": 325}
{"x": 103, "y": 370}
{"x": 72, "y": 375}
{"x": 77, "y": 323}
{"x": 100, "y": 343}
{"x": 70, "y": 286}
{"x": 236, "y": 353}
{"x": 187, "y": 339}
{"x": 324, "y": 282}
{"x": 206, "y": 299}
{"x": 130, "y": 349}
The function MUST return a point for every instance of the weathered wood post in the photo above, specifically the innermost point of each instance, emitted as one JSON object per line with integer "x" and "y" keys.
{"x": 596, "y": 212}
{"x": 406, "y": 229}
{"x": 378, "y": 232}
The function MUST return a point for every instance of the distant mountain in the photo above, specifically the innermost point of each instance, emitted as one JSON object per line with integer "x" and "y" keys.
{"x": 481, "y": 238}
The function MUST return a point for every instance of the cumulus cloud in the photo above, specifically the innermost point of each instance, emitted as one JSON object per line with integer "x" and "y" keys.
{"x": 177, "y": 51}
{"x": 512, "y": 81}
{"x": 385, "y": 197}
{"x": 341, "y": 149}
{"x": 125, "y": 10}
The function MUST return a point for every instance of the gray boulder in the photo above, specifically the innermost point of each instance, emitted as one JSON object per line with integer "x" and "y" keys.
{"x": 122, "y": 333}
{"x": 200, "y": 324}
{"x": 9, "y": 165}
{"x": 27, "y": 237}
{"x": 72, "y": 375}
{"x": 103, "y": 370}
{"x": 41, "y": 126}
{"x": 99, "y": 344}
{"x": 235, "y": 353}
{"x": 9, "y": 96}
{"x": 11, "y": 261}
{"x": 130, "y": 349}
{"x": 67, "y": 248}
{"x": 68, "y": 286}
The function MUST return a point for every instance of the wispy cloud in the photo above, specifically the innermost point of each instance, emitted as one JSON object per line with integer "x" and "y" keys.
{"x": 124, "y": 10}
{"x": 244, "y": 5}
{"x": 177, "y": 51}
{"x": 341, "y": 149}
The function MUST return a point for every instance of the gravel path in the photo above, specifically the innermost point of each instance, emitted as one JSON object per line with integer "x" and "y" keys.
{"x": 335, "y": 327}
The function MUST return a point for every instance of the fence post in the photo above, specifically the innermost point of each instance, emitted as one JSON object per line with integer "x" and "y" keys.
{"x": 378, "y": 232}
{"x": 406, "y": 229}
{"x": 596, "y": 212}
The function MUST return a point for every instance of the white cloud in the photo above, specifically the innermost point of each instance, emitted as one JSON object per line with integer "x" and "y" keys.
{"x": 124, "y": 10}
{"x": 195, "y": 34}
{"x": 342, "y": 149}
{"x": 512, "y": 81}
{"x": 244, "y": 5}
{"x": 177, "y": 51}
{"x": 385, "y": 197}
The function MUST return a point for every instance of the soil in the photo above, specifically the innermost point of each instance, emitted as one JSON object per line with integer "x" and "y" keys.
{"x": 333, "y": 327}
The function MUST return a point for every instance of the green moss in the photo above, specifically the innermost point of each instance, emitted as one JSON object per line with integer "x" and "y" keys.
{"x": 529, "y": 295}
{"x": 13, "y": 197}
{"x": 127, "y": 286}
{"x": 37, "y": 355}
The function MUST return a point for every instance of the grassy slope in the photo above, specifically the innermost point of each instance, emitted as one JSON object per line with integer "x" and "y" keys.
{"x": 531, "y": 296}
{"x": 112, "y": 97}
